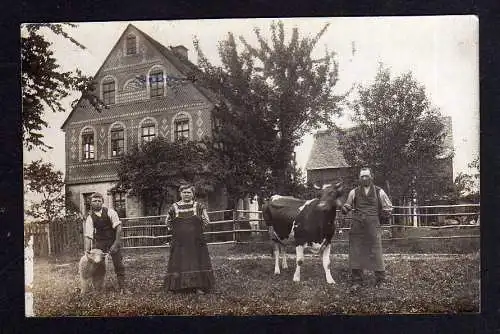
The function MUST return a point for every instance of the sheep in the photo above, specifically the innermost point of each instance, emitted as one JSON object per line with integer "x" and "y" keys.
{"x": 88, "y": 267}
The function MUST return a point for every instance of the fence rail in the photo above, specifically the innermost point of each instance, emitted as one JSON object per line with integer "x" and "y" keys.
{"x": 246, "y": 226}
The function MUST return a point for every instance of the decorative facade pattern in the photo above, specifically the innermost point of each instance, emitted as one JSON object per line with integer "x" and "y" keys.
{"x": 132, "y": 108}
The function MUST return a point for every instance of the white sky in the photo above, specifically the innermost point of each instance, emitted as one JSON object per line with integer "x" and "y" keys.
{"x": 441, "y": 51}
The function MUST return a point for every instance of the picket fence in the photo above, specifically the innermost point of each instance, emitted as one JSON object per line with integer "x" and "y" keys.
{"x": 244, "y": 226}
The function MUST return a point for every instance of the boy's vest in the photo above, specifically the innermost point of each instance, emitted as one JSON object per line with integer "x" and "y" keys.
{"x": 103, "y": 227}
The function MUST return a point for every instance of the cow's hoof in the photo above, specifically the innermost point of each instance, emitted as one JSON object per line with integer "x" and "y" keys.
{"x": 330, "y": 282}
{"x": 277, "y": 273}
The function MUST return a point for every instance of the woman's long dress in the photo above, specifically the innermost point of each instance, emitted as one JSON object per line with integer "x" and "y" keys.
{"x": 189, "y": 265}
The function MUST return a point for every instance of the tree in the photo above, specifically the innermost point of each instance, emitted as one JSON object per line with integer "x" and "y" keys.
{"x": 273, "y": 94}
{"x": 43, "y": 84}
{"x": 154, "y": 170}
{"x": 398, "y": 134}
{"x": 42, "y": 179}
{"x": 467, "y": 185}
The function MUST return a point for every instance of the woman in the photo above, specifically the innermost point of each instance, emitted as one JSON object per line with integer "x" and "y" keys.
{"x": 189, "y": 265}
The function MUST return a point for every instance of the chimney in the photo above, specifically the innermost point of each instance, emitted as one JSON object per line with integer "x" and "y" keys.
{"x": 180, "y": 50}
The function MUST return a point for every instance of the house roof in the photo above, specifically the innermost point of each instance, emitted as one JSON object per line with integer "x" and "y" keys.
{"x": 184, "y": 95}
{"x": 326, "y": 153}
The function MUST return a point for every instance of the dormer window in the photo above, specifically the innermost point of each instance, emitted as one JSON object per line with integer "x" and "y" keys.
{"x": 131, "y": 45}
{"x": 108, "y": 91}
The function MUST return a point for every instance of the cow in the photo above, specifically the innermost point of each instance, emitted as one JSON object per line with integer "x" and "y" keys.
{"x": 310, "y": 222}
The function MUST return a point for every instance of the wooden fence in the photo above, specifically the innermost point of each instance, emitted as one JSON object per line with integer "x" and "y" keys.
{"x": 243, "y": 226}
{"x": 62, "y": 236}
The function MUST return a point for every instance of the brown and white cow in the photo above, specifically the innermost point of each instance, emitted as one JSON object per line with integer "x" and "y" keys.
{"x": 309, "y": 222}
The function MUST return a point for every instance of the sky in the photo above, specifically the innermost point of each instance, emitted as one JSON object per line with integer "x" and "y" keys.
{"x": 442, "y": 53}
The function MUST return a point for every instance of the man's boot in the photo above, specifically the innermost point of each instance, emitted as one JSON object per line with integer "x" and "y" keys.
{"x": 121, "y": 284}
{"x": 356, "y": 278}
{"x": 379, "y": 278}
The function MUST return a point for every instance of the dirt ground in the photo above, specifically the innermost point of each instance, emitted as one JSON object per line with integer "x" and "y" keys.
{"x": 246, "y": 285}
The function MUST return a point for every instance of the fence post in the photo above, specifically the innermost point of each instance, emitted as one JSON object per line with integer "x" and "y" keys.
{"x": 47, "y": 226}
{"x": 235, "y": 213}
{"x": 29, "y": 258}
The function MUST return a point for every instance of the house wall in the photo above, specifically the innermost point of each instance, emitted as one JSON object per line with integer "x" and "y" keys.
{"x": 133, "y": 105}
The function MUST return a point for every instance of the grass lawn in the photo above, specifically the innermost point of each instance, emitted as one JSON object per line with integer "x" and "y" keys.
{"x": 246, "y": 285}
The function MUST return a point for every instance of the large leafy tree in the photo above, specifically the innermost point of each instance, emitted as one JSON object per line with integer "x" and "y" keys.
{"x": 44, "y": 85}
{"x": 41, "y": 178}
{"x": 399, "y": 134}
{"x": 155, "y": 169}
{"x": 271, "y": 94}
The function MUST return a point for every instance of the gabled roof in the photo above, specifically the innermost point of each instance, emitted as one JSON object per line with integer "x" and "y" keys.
{"x": 182, "y": 64}
{"x": 325, "y": 152}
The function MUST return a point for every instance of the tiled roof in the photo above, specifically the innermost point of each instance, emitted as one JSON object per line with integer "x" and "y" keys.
{"x": 448, "y": 139}
{"x": 183, "y": 98}
{"x": 184, "y": 65}
{"x": 99, "y": 171}
{"x": 325, "y": 152}
{"x": 185, "y": 95}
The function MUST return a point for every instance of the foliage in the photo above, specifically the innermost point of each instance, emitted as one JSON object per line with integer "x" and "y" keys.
{"x": 42, "y": 179}
{"x": 157, "y": 168}
{"x": 466, "y": 186}
{"x": 44, "y": 85}
{"x": 245, "y": 285}
{"x": 271, "y": 95}
{"x": 398, "y": 134}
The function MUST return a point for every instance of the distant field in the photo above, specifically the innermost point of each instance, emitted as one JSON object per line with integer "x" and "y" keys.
{"x": 417, "y": 283}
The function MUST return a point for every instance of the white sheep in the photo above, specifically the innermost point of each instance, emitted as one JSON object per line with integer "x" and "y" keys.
{"x": 87, "y": 268}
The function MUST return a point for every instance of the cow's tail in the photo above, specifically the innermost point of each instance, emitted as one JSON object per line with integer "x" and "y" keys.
{"x": 266, "y": 215}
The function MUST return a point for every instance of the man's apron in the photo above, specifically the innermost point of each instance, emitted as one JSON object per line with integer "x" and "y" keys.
{"x": 365, "y": 235}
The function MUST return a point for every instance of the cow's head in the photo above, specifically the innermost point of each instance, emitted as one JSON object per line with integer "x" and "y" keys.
{"x": 330, "y": 196}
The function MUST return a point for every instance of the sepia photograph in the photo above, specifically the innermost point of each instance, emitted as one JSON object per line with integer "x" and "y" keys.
{"x": 251, "y": 167}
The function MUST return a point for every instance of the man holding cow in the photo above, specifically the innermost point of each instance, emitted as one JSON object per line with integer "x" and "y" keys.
{"x": 370, "y": 206}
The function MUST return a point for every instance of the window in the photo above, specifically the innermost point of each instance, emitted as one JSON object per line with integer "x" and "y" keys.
{"x": 117, "y": 141}
{"x": 119, "y": 203}
{"x": 181, "y": 128}
{"x": 156, "y": 84}
{"x": 108, "y": 91}
{"x": 147, "y": 132}
{"x": 88, "y": 144}
{"x": 131, "y": 45}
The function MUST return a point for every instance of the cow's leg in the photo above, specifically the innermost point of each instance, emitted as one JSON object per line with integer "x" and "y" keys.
{"x": 283, "y": 252}
{"x": 326, "y": 264}
{"x": 299, "y": 251}
{"x": 276, "y": 258}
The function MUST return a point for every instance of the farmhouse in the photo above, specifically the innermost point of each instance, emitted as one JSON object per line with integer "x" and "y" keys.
{"x": 134, "y": 83}
{"x": 327, "y": 164}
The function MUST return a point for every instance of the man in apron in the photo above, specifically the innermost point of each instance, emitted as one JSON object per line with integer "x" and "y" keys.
{"x": 370, "y": 204}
